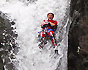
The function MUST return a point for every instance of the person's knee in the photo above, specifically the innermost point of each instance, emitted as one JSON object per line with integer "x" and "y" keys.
{"x": 43, "y": 34}
{"x": 51, "y": 33}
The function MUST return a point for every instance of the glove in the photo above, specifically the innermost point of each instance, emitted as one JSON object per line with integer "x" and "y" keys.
{"x": 43, "y": 26}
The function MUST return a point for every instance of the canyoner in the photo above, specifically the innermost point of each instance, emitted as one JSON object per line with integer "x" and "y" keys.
{"x": 48, "y": 32}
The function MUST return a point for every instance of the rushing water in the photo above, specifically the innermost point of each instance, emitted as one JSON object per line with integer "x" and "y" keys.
{"x": 28, "y": 15}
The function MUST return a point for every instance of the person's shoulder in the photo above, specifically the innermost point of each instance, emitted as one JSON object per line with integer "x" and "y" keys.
{"x": 45, "y": 20}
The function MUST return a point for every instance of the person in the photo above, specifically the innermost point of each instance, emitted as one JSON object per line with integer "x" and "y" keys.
{"x": 48, "y": 31}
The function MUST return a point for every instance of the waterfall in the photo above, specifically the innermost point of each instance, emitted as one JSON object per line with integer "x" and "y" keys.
{"x": 28, "y": 16}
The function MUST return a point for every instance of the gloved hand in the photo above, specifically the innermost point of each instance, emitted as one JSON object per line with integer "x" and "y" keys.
{"x": 44, "y": 24}
{"x": 52, "y": 24}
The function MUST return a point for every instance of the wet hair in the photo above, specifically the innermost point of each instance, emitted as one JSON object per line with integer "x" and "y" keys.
{"x": 50, "y": 13}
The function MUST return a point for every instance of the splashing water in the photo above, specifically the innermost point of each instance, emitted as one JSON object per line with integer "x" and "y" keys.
{"x": 28, "y": 19}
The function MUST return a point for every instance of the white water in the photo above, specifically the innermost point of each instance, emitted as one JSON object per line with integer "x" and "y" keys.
{"x": 28, "y": 19}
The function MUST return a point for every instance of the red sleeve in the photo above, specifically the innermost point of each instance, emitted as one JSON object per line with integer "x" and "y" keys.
{"x": 55, "y": 22}
{"x": 42, "y": 23}
{"x": 44, "y": 20}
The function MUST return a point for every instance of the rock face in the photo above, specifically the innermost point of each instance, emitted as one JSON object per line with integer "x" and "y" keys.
{"x": 7, "y": 42}
{"x": 78, "y": 36}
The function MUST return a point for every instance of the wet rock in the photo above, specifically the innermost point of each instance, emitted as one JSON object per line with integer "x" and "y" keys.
{"x": 7, "y": 42}
{"x": 78, "y": 36}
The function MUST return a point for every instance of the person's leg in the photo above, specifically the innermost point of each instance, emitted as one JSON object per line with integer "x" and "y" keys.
{"x": 52, "y": 37}
{"x": 42, "y": 36}
{"x": 53, "y": 40}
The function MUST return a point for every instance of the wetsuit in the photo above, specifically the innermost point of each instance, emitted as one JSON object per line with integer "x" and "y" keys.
{"x": 48, "y": 30}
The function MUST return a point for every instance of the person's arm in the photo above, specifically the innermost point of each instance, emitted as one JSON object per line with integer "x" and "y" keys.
{"x": 53, "y": 24}
{"x": 43, "y": 24}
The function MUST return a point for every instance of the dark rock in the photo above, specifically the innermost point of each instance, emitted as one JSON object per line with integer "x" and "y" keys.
{"x": 12, "y": 23}
{"x": 7, "y": 42}
{"x": 78, "y": 36}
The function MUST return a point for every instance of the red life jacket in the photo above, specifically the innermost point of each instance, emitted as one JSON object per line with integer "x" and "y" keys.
{"x": 49, "y": 26}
